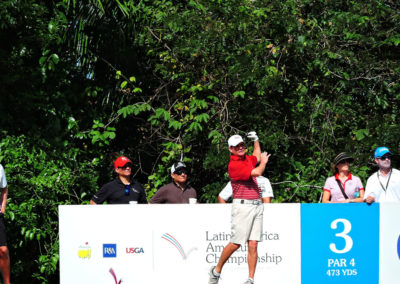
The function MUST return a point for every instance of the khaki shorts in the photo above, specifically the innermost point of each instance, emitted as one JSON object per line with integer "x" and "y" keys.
{"x": 247, "y": 221}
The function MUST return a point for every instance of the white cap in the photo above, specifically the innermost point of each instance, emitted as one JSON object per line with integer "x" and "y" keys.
{"x": 235, "y": 140}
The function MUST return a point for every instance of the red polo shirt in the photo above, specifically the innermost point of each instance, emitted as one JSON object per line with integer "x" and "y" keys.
{"x": 243, "y": 184}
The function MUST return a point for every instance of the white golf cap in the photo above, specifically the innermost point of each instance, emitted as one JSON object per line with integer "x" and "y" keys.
{"x": 235, "y": 140}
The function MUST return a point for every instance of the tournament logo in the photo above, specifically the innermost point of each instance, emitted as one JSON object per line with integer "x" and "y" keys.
{"x": 134, "y": 250}
{"x": 115, "y": 276}
{"x": 177, "y": 245}
{"x": 109, "y": 250}
{"x": 85, "y": 251}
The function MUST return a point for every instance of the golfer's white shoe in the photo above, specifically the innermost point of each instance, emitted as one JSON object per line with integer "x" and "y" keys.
{"x": 212, "y": 278}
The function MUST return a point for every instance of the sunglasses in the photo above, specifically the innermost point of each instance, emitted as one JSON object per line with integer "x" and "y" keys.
{"x": 241, "y": 145}
{"x": 385, "y": 157}
{"x": 179, "y": 172}
{"x": 128, "y": 165}
{"x": 127, "y": 189}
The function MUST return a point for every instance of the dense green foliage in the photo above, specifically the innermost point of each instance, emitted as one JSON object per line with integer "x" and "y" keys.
{"x": 40, "y": 181}
{"x": 160, "y": 79}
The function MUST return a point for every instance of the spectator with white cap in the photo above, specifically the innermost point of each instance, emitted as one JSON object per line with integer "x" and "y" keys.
{"x": 123, "y": 189}
{"x": 383, "y": 185}
{"x": 179, "y": 190}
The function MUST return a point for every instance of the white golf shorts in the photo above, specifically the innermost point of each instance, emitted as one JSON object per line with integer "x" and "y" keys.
{"x": 247, "y": 221}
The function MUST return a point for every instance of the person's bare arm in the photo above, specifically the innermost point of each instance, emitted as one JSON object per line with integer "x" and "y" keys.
{"x": 221, "y": 200}
{"x": 257, "y": 171}
{"x": 257, "y": 151}
{"x": 266, "y": 199}
{"x": 4, "y": 193}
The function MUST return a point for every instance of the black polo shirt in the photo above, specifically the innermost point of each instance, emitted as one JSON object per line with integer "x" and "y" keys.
{"x": 114, "y": 193}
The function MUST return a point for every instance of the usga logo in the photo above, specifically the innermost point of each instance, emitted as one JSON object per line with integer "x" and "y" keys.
{"x": 109, "y": 250}
{"x": 84, "y": 251}
{"x": 134, "y": 250}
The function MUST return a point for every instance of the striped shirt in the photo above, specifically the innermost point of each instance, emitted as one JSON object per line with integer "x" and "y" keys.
{"x": 246, "y": 189}
{"x": 244, "y": 185}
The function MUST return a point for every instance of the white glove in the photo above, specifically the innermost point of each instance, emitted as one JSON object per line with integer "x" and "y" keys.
{"x": 253, "y": 136}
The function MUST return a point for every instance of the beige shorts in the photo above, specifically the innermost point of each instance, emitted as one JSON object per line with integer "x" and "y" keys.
{"x": 247, "y": 221}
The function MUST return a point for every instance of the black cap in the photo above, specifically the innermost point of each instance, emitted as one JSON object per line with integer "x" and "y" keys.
{"x": 341, "y": 157}
{"x": 177, "y": 166}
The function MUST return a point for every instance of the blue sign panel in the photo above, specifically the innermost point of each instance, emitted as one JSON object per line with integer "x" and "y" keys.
{"x": 109, "y": 250}
{"x": 340, "y": 243}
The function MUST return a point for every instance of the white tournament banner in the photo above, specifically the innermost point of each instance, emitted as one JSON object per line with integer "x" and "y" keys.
{"x": 171, "y": 244}
{"x": 389, "y": 245}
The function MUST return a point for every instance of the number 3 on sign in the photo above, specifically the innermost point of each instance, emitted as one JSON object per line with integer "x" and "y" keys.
{"x": 348, "y": 240}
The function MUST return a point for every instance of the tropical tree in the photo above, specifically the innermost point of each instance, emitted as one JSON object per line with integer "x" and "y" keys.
{"x": 159, "y": 81}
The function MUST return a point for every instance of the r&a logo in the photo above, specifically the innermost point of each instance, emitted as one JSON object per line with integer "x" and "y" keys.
{"x": 134, "y": 250}
{"x": 84, "y": 251}
{"x": 109, "y": 250}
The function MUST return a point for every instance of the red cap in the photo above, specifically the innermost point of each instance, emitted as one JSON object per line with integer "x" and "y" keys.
{"x": 121, "y": 161}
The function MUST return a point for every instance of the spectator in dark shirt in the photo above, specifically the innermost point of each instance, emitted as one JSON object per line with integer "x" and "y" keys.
{"x": 178, "y": 191}
{"x": 123, "y": 189}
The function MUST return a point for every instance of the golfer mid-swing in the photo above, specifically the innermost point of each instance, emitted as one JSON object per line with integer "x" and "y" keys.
{"x": 247, "y": 207}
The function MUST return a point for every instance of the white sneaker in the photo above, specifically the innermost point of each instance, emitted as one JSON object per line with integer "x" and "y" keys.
{"x": 212, "y": 278}
{"x": 249, "y": 281}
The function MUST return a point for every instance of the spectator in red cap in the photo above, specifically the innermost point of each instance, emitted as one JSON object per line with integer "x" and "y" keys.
{"x": 123, "y": 189}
